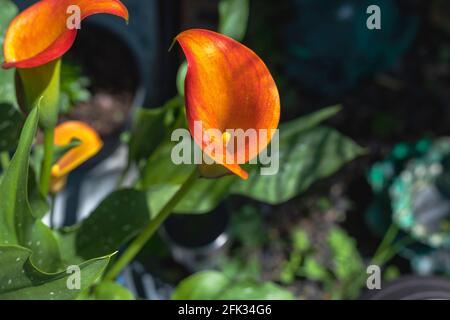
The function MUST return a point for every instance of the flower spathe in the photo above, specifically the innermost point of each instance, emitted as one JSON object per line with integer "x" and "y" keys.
{"x": 40, "y": 33}
{"x": 227, "y": 87}
{"x": 89, "y": 145}
{"x": 35, "y": 41}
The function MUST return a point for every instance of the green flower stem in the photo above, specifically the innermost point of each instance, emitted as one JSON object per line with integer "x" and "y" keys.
{"x": 4, "y": 160}
{"x": 385, "y": 256}
{"x": 387, "y": 241}
{"x": 48, "y": 161}
{"x": 137, "y": 244}
{"x": 387, "y": 250}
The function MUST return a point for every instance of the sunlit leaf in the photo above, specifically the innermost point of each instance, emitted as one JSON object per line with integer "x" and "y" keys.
{"x": 119, "y": 217}
{"x": 21, "y": 280}
{"x": 307, "y": 153}
{"x": 304, "y": 159}
{"x": 150, "y": 127}
{"x": 18, "y": 225}
{"x": 213, "y": 285}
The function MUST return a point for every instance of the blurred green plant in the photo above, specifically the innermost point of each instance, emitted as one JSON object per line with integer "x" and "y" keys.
{"x": 11, "y": 121}
{"x": 213, "y": 285}
{"x": 337, "y": 278}
{"x": 74, "y": 86}
{"x": 247, "y": 226}
{"x": 112, "y": 291}
{"x": 233, "y": 18}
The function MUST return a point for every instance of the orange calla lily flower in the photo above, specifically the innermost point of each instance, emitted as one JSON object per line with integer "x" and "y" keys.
{"x": 228, "y": 87}
{"x": 90, "y": 145}
{"x": 40, "y": 33}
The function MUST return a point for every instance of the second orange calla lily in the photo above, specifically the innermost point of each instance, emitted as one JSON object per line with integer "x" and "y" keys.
{"x": 36, "y": 40}
{"x": 41, "y": 33}
{"x": 90, "y": 145}
{"x": 228, "y": 87}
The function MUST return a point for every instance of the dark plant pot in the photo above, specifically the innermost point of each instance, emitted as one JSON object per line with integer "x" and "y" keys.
{"x": 196, "y": 241}
{"x": 190, "y": 243}
{"x": 412, "y": 288}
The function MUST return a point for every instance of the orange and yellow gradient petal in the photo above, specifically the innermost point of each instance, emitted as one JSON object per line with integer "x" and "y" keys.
{"x": 90, "y": 145}
{"x": 41, "y": 34}
{"x": 228, "y": 87}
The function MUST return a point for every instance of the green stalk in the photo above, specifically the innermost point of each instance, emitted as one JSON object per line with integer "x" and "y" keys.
{"x": 137, "y": 244}
{"x": 385, "y": 256}
{"x": 387, "y": 241}
{"x": 48, "y": 161}
{"x": 386, "y": 250}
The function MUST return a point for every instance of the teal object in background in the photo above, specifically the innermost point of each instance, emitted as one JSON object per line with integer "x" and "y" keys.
{"x": 330, "y": 47}
{"x": 411, "y": 188}
{"x": 381, "y": 176}
{"x": 420, "y": 196}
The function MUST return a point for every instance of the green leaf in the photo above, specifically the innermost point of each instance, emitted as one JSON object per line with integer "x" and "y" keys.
{"x": 160, "y": 169}
{"x": 74, "y": 86}
{"x": 11, "y": 122}
{"x": 20, "y": 279}
{"x": 309, "y": 121}
{"x": 305, "y": 157}
{"x": 18, "y": 226}
{"x": 112, "y": 291}
{"x": 313, "y": 270}
{"x": 150, "y": 127}
{"x": 7, "y": 13}
{"x": 161, "y": 178}
{"x": 252, "y": 290}
{"x": 213, "y": 285}
{"x": 307, "y": 153}
{"x": 233, "y": 18}
{"x": 204, "y": 285}
{"x": 118, "y": 218}
{"x": 241, "y": 266}
{"x": 14, "y": 183}
{"x": 300, "y": 240}
{"x": 205, "y": 195}
{"x": 347, "y": 261}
